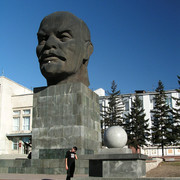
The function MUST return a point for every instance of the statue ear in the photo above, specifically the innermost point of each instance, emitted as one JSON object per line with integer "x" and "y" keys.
{"x": 88, "y": 51}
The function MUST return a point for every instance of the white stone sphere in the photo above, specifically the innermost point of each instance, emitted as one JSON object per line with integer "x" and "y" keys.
{"x": 115, "y": 137}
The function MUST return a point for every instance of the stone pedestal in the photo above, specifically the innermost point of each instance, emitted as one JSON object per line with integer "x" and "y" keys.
{"x": 117, "y": 165}
{"x": 64, "y": 116}
{"x": 114, "y": 163}
{"x": 115, "y": 151}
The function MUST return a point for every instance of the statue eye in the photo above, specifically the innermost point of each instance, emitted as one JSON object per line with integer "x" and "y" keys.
{"x": 64, "y": 36}
{"x": 42, "y": 38}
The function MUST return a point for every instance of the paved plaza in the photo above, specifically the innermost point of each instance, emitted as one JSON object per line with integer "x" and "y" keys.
{"x": 35, "y": 176}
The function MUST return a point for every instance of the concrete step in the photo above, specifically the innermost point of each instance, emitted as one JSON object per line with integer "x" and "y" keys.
{"x": 13, "y": 156}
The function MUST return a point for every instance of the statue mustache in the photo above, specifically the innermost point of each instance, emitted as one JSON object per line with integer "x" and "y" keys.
{"x": 46, "y": 54}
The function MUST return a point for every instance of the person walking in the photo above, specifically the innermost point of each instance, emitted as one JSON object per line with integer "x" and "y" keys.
{"x": 70, "y": 162}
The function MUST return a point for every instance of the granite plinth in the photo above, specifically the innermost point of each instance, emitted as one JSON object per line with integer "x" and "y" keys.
{"x": 117, "y": 165}
{"x": 121, "y": 178}
{"x": 114, "y": 151}
{"x": 65, "y": 115}
{"x": 40, "y": 166}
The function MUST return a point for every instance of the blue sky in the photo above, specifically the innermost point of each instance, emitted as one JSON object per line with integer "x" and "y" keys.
{"x": 136, "y": 42}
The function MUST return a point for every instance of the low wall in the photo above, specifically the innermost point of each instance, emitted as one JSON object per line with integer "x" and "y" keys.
{"x": 151, "y": 164}
{"x": 40, "y": 166}
{"x": 98, "y": 178}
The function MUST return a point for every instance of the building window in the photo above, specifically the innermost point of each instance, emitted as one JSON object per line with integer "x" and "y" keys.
{"x": 126, "y": 106}
{"x": 101, "y": 107}
{"x": 26, "y": 139}
{"x": 16, "y": 112}
{"x": 26, "y": 123}
{"x": 15, "y": 144}
{"x": 146, "y": 152}
{"x": 16, "y": 123}
{"x": 154, "y": 151}
{"x": 169, "y": 102}
{"x": 141, "y": 98}
{"x": 26, "y": 111}
{"x": 170, "y": 151}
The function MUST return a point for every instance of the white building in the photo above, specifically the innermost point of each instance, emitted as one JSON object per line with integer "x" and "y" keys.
{"x": 16, "y": 104}
{"x": 148, "y": 104}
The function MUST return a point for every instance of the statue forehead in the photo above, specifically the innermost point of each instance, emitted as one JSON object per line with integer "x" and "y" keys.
{"x": 61, "y": 20}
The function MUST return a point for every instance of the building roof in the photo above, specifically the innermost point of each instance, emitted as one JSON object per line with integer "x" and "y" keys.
{"x": 19, "y": 135}
{"x": 7, "y": 79}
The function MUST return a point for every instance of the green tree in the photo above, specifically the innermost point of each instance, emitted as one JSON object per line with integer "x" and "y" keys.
{"x": 112, "y": 113}
{"x": 162, "y": 123}
{"x": 136, "y": 125}
{"x": 176, "y": 117}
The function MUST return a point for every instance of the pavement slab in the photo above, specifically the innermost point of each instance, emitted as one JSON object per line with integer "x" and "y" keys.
{"x": 36, "y": 176}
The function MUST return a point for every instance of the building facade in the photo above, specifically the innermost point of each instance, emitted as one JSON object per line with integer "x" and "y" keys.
{"x": 16, "y": 104}
{"x": 147, "y": 99}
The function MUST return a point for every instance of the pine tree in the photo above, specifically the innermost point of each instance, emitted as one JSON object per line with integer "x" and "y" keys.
{"x": 136, "y": 125}
{"x": 162, "y": 134}
{"x": 112, "y": 114}
{"x": 176, "y": 117}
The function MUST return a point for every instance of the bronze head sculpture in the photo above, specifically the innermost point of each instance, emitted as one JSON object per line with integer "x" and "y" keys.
{"x": 64, "y": 47}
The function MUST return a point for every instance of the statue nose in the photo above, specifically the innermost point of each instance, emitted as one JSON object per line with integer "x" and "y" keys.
{"x": 51, "y": 42}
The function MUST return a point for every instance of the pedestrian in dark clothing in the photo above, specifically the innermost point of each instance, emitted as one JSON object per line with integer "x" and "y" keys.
{"x": 70, "y": 162}
{"x": 27, "y": 147}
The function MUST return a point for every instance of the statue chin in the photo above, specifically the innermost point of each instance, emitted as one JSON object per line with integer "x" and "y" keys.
{"x": 53, "y": 78}
{"x": 49, "y": 71}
